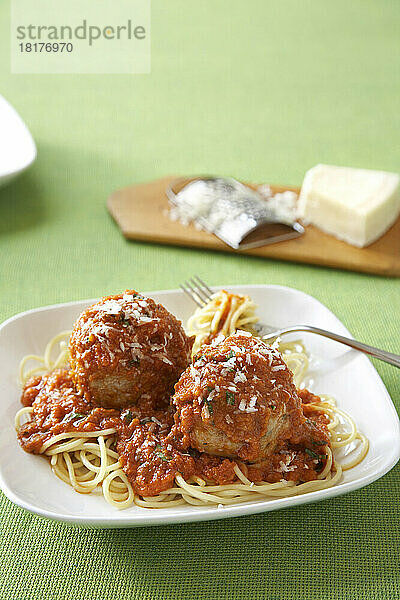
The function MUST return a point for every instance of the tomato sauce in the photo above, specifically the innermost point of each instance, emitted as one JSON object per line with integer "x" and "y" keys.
{"x": 151, "y": 448}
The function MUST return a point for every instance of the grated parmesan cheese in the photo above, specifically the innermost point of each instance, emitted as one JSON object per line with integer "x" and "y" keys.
{"x": 242, "y": 405}
{"x": 206, "y": 412}
{"x": 239, "y": 377}
{"x": 242, "y": 332}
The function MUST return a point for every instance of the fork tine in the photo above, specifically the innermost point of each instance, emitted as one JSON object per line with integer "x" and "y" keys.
{"x": 203, "y": 287}
{"x": 192, "y": 294}
{"x": 199, "y": 291}
{"x": 189, "y": 294}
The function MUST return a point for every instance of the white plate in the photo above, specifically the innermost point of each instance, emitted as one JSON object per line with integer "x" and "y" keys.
{"x": 17, "y": 148}
{"x": 350, "y": 377}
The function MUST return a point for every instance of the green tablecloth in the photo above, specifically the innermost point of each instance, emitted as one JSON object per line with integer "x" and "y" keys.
{"x": 260, "y": 90}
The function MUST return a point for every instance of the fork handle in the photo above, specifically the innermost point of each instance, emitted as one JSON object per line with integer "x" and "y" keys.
{"x": 389, "y": 357}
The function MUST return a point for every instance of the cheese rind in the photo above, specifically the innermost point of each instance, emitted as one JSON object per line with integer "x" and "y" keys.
{"x": 355, "y": 205}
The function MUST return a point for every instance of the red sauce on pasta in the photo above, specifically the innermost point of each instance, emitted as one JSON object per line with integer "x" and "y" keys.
{"x": 151, "y": 448}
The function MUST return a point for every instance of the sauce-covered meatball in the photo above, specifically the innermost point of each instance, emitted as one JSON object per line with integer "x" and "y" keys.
{"x": 127, "y": 347}
{"x": 238, "y": 400}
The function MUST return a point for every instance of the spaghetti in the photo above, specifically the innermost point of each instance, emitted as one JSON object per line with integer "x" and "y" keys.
{"x": 88, "y": 460}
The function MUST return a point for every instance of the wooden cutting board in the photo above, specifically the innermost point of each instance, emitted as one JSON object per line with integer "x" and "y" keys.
{"x": 141, "y": 213}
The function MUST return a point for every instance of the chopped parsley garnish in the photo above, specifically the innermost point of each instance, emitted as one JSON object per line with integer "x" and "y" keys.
{"x": 122, "y": 319}
{"x": 160, "y": 453}
{"x": 209, "y": 406}
{"x": 315, "y": 455}
{"x": 230, "y": 398}
{"x": 208, "y": 401}
{"x": 319, "y": 442}
{"x": 272, "y": 407}
{"x": 231, "y": 354}
{"x": 128, "y": 416}
{"x": 74, "y": 415}
{"x": 134, "y": 362}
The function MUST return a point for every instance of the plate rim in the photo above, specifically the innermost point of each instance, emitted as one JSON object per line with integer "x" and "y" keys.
{"x": 114, "y": 520}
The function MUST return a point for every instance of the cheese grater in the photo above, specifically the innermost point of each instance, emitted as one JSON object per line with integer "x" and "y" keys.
{"x": 238, "y": 215}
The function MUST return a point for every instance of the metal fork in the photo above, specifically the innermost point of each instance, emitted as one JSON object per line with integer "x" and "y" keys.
{"x": 200, "y": 293}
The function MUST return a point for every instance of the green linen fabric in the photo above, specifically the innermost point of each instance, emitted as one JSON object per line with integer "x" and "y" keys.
{"x": 260, "y": 90}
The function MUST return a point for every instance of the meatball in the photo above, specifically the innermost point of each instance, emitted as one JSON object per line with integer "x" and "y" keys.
{"x": 237, "y": 400}
{"x": 126, "y": 348}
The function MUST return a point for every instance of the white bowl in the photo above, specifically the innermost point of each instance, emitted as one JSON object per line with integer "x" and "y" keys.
{"x": 17, "y": 148}
{"x": 349, "y": 376}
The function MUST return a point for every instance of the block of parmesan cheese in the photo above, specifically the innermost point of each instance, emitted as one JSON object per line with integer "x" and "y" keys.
{"x": 354, "y": 205}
